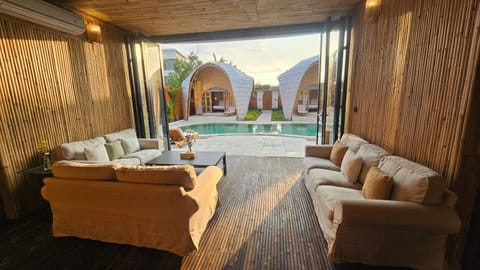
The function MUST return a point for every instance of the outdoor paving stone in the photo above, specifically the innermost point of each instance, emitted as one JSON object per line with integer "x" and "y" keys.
{"x": 248, "y": 145}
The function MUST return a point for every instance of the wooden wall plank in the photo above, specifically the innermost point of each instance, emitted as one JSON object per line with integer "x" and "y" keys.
{"x": 59, "y": 88}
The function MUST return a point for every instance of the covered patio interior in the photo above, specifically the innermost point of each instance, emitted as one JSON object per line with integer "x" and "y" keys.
{"x": 412, "y": 88}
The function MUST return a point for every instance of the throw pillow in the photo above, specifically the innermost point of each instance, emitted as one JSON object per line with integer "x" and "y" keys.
{"x": 338, "y": 152}
{"x": 97, "y": 153}
{"x": 114, "y": 150}
{"x": 351, "y": 166}
{"x": 377, "y": 185}
{"x": 130, "y": 145}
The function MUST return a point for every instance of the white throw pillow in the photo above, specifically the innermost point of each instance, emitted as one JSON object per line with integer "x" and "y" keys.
{"x": 97, "y": 153}
{"x": 130, "y": 145}
{"x": 351, "y": 166}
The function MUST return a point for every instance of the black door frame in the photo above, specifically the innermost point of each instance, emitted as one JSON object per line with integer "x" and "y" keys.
{"x": 134, "y": 63}
{"x": 343, "y": 25}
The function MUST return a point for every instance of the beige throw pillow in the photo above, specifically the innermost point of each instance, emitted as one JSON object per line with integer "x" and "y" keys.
{"x": 377, "y": 185}
{"x": 351, "y": 166}
{"x": 97, "y": 153}
{"x": 338, "y": 152}
{"x": 130, "y": 145}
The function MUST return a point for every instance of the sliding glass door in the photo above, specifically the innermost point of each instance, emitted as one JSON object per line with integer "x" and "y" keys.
{"x": 147, "y": 83}
{"x": 332, "y": 84}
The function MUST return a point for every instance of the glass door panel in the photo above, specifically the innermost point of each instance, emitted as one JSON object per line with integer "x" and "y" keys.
{"x": 155, "y": 90}
{"x": 146, "y": 73}
{"x": 332, "y": 81}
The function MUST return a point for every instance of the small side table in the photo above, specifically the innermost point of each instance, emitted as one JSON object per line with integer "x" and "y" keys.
{"x": 37, "y": 174}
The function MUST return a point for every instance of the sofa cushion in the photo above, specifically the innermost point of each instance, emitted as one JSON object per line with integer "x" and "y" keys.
{"x": 371, "y": 155}
{"x": 114, "y": 150}
{"x": 310, "y": 163}
{"x": 377, "y": 185}
{"x": 338, "y": 152}
{"x": 352, "y": 141}
{"x": 76, "y": 150}
{"x": 319, "y": 177}
{"x": 144, "y": 155}
{"x": 329, "y": 195}
{"x": 75, "y": 170}
{"x": 412, "y": 181}
{"x": 130, "y": 145}
{"x": 126, "y": 133}
{"x": 351, "y": 166}
{"x": 126, "y": 161}
{"x": 182, "y": 175}
{"x": 97, "y": 153}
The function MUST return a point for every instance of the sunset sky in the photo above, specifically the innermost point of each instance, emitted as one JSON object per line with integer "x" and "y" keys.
{"x": 262, "y": 59}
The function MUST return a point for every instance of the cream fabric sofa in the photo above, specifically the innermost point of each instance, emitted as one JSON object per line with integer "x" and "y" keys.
{"x": 162, "y": 207}
{"x": 410, "y": 229}
{"x": 75, "y": 151}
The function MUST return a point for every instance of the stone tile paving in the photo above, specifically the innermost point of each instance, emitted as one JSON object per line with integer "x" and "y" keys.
{"x": 249, "y": 145}
{"x": 252, "y": 145}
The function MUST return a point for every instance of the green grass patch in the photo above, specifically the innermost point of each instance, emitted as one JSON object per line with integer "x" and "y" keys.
{"x": 277, "y": 115}
{"x": 253, "y": 114}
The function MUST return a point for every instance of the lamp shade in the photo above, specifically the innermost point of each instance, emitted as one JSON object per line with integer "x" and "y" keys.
{"x": 373, "y": 9}
{"x": 94, "y": 32}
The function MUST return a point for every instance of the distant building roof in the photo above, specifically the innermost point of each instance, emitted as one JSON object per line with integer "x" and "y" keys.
{"x": 242, "y": 85}
{"x": 172, "y": 54}
{"x": 290, "y": 80}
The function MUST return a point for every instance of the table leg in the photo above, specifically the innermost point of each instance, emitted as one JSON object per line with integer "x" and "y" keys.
{"x": 225, "y": 165}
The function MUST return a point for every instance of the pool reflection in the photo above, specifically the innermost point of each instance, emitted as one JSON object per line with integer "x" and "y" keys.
{"x": 236, "y": 128}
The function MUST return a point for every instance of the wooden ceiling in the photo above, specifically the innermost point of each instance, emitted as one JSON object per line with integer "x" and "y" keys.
{"x": 172, "y": 17}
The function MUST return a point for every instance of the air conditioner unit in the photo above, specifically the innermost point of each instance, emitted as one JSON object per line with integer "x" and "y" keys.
{"x": 42, "y": 13}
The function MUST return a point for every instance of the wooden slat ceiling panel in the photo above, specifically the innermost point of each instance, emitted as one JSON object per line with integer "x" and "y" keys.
{"x": 171, "y": 17}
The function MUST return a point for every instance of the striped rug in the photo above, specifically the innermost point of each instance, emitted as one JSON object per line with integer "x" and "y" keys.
{"x": 266, "y": 220}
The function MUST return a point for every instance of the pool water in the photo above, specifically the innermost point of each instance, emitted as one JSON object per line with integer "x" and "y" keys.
{"x": 235, "y": 128}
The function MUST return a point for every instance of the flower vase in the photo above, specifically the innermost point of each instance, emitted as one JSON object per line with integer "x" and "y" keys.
{"x": 47, "y": 165}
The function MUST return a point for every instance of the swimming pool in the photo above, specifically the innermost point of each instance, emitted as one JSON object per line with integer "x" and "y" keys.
{"x": 236, "y": 128}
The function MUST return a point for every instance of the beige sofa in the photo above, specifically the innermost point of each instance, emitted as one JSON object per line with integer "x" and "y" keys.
{"x": 138, "y": 152}
{"x": 408, "y": 229}
{"x": 162, "y": 207}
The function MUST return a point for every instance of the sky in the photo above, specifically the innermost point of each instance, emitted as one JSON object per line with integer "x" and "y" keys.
{"x": 262, "y": 59}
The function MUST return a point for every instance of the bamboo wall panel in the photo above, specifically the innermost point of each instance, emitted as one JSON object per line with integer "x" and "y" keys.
{"x": 414, "y": 75}
{"x": 407, "y": 78}
{"x": 58, "y": 88}
{"x": 467, "y": 180}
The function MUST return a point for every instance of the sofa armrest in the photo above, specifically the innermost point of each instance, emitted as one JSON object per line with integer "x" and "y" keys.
{"x": 398, "y": 215}
{"x": 206, "y": 182}
{"x": 320, "y": 151}
{"x": 150, "y": 143}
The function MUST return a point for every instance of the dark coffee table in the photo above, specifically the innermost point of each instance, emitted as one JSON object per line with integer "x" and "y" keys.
{"x": 202, "y": 159}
